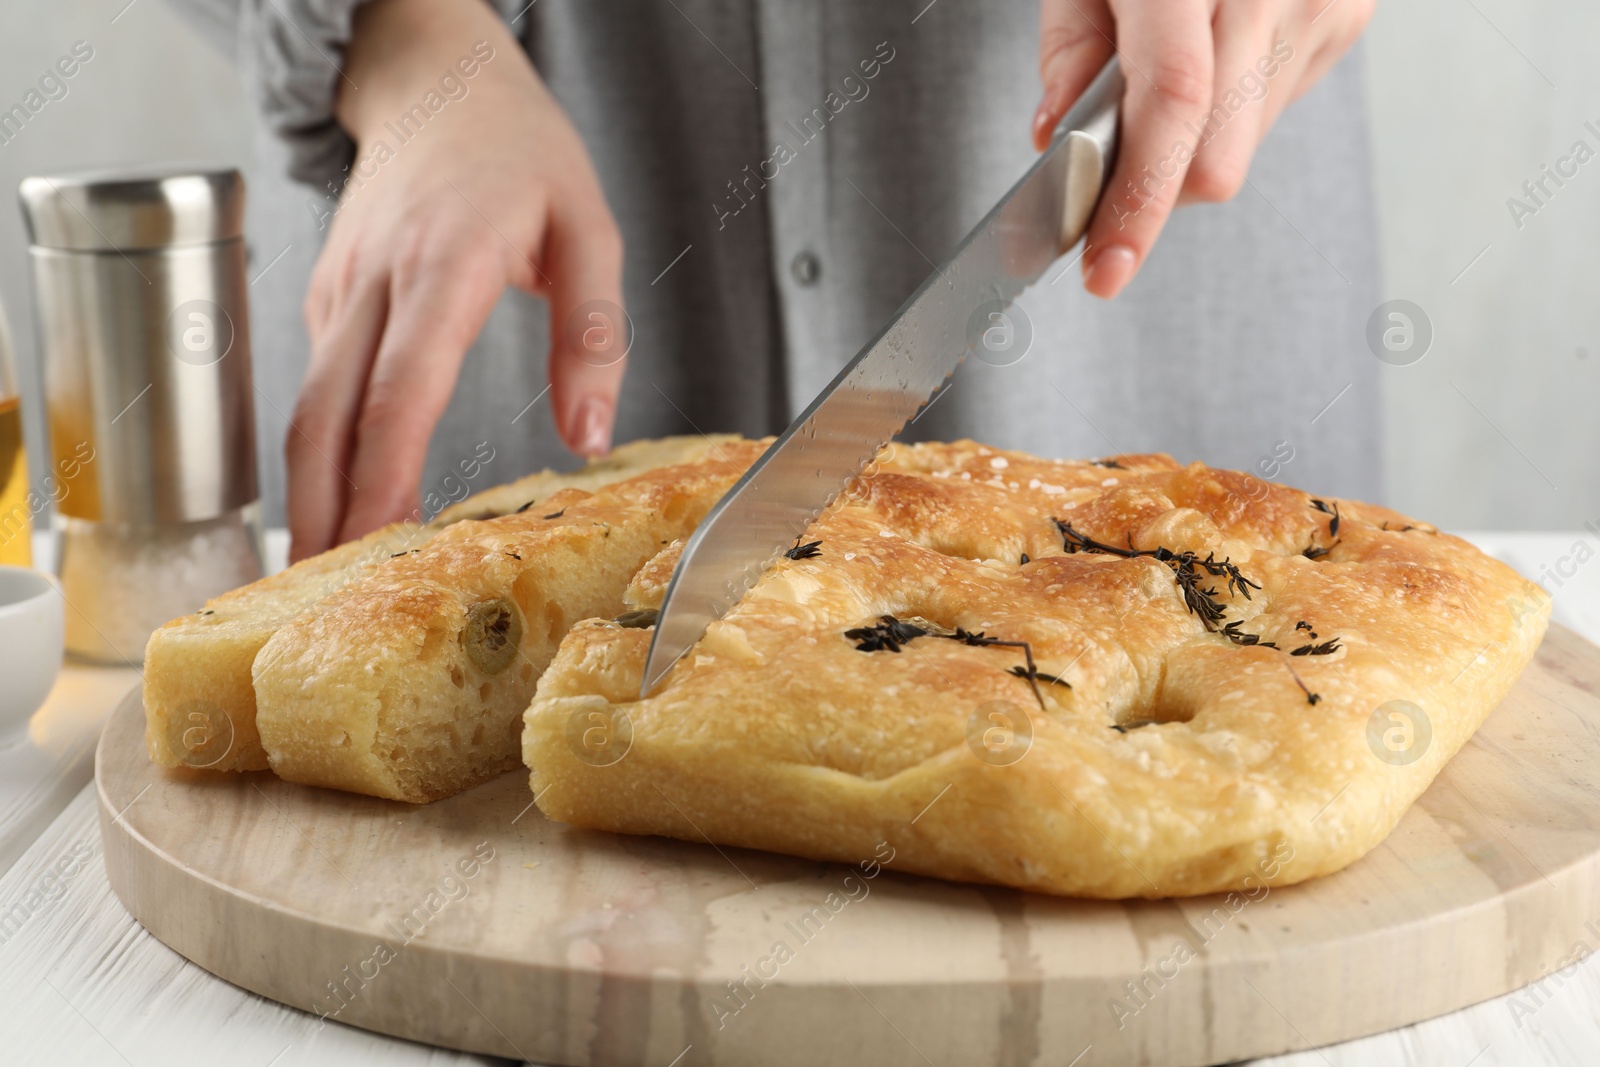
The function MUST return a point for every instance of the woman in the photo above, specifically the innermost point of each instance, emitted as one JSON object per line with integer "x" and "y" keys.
{"x": 761, "y": 184}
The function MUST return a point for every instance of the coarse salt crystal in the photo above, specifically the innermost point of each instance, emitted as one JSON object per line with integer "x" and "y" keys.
{"x": 125, "y": 580}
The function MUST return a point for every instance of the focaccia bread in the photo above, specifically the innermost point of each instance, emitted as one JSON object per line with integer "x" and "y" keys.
{"x": 200, "y": 705}
{"x": 410, "y": 684}
{"x": 1115, "y": 679}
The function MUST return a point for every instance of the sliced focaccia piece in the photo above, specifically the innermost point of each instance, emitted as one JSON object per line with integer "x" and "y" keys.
{"x": 1122, "y": 679}
{"x": 200, "y": 706}
{"x": 411, "y": 683}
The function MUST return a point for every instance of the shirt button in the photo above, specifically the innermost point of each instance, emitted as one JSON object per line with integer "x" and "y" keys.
{"x": 806, "y": 267}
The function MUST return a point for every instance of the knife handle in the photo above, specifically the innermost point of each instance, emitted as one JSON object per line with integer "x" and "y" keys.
{"x": 1087, "y": 142}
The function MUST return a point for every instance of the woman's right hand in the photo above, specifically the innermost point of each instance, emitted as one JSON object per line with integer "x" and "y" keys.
{"x": 494, "y": 189}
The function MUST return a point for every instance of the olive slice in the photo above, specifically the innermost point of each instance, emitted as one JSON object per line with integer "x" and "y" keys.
{"x": 492, "y": 634}
{"x": 642, "y": 619}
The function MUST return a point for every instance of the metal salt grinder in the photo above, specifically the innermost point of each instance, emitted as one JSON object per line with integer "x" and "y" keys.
{"x": 140, "y": 290}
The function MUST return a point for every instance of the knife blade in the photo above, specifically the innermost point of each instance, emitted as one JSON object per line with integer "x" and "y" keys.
{"x": 1043, "y": 215}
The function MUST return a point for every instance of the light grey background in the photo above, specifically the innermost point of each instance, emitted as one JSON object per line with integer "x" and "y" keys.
{"x": 1493, "y": 429}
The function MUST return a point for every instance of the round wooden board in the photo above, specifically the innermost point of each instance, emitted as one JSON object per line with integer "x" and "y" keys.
{"x": 476, "y": 924}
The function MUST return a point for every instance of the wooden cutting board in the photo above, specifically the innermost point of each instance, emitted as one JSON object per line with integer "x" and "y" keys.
{"x": 476, "y": 924}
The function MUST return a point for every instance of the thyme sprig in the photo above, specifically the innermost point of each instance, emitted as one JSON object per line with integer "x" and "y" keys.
{"x": 1326, "y": 648}
{"x": 809, "y": 550}
{"x": 1311, "y": 698}
{"x": 890, "y": 634}
{"x": 1239, "y": 637}
{"x": 1133, "y": 724}
{"x": 1188, "y": 570}
{"x": 1328, "y": 509}
{"x": 1053, "y": 679}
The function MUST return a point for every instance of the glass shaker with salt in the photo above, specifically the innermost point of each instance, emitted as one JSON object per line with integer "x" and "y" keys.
{"x": 140, "y": 289}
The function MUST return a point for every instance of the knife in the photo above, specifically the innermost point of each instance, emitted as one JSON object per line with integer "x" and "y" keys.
{"x": 897, "y": 373}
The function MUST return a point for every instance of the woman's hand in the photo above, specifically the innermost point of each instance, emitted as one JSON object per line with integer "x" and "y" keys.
{"x": 492, "y": 189}
{"x": 1206, "y": 79}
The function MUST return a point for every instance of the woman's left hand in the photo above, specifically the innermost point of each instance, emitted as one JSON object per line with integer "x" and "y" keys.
{"x": 1205, "y": 81}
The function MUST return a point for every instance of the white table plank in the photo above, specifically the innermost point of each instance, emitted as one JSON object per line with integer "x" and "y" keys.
{"x": 1559, "y": 1027}
{"x": 44, "y": 763}
{"x": 83, "y": 983}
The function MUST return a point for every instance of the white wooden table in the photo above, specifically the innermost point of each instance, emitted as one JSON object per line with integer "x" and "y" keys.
{"x": 82, "y": 983}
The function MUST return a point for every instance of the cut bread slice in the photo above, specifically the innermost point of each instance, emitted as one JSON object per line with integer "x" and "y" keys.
{"x": 411, "y": 683}
{"x": 200, "y": 704}
{"x": 200, "y": 708}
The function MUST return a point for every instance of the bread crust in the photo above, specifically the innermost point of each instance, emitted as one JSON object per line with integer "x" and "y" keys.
{"x": 382, "y": 687}
{"x": 199, "y": 698}
{"x": 1260, "y": 767}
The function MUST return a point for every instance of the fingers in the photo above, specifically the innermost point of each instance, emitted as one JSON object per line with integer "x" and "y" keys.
{"x": 441, "y": 294}
{"x": 1168, "y": 63}
{"x": 1334, "y": 27}
{"x": 1242, "y": 36}
{"x": 589, "y": 331}
{"x": 1287, "y": 84}
{"x": 1074, "y": 43}
{"x": 317, "y": 446}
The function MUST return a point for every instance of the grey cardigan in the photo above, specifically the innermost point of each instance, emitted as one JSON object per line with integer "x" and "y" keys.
{"x": 785, "y": 172}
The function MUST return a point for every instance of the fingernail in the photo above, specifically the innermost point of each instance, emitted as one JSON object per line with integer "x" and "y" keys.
{"x": 591, "y": 426}
{"x": 1045, "y": 119}
{"x": 1109, "y": 270}
{"x": 1041, "y": 124}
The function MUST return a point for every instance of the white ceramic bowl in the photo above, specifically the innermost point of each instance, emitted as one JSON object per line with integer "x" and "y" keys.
{"x": 30, "y": 643}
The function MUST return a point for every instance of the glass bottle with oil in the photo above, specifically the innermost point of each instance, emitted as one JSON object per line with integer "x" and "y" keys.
{"x": 16, "y": 513}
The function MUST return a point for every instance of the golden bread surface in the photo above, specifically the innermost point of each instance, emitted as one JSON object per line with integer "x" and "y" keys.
{"x": 411, "y": 683}
{"x": 1161, "y": 745}
{"x": 200, "y": 704}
